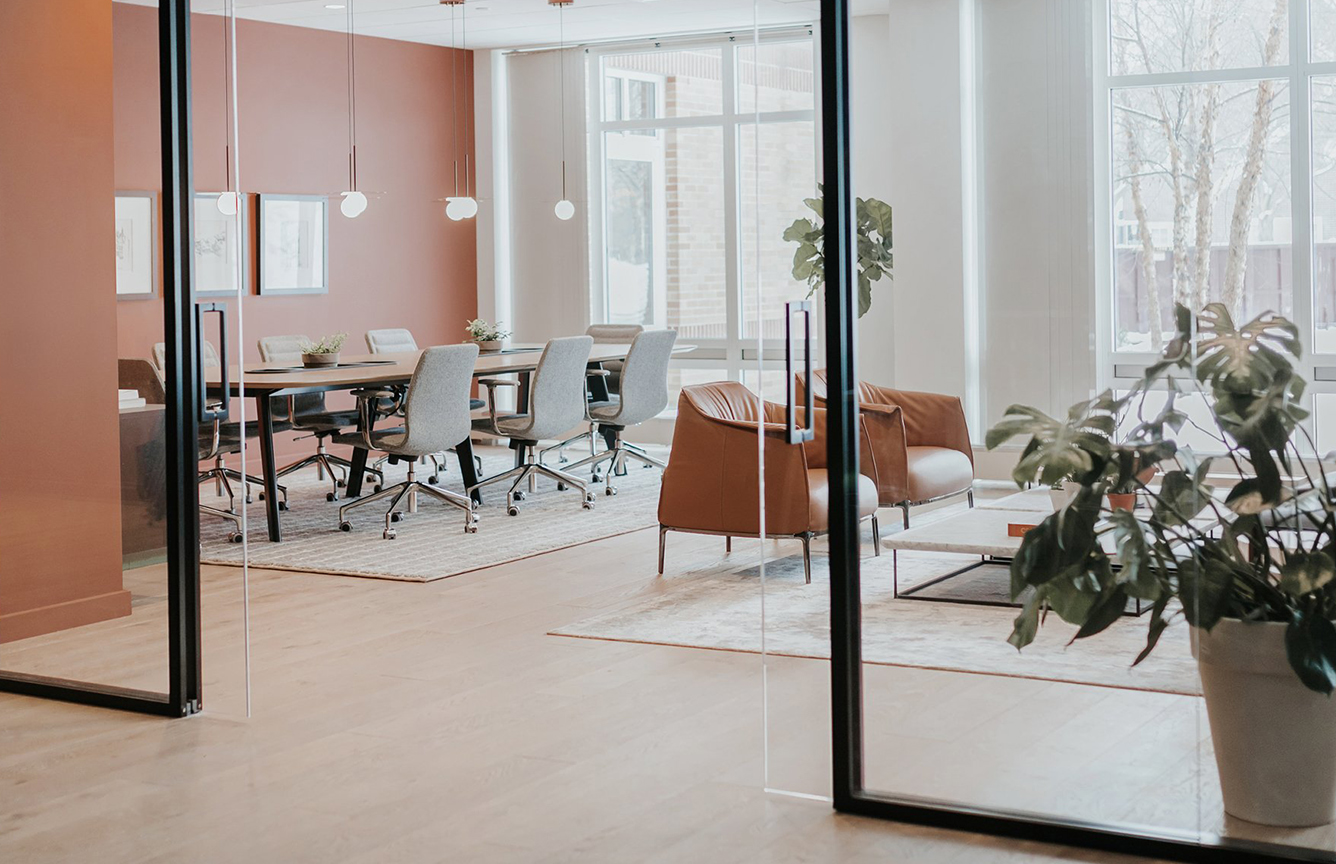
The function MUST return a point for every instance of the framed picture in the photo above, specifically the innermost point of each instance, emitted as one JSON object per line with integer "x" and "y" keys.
{"x": 222, "y": 267}
{"x": 136, "y": 245}
{"x": 294, "y": 244}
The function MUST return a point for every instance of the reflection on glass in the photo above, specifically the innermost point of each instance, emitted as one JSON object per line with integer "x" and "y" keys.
{"x": 1150, "y": 36}
{"x": 655, "y": 84}
{"x": 776, "y": 76}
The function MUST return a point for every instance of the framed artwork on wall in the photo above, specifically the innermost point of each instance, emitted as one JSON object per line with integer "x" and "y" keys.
{"x": 136, "y": 245}
{"x": 222, "y": 267}
{"x": 294, "y": 244}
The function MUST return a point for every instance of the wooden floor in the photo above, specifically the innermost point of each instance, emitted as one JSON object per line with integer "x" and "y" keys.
{"x": 399, "y": 722}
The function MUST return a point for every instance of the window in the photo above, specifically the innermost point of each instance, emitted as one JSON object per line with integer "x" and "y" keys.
{"x": 701, "y": 155}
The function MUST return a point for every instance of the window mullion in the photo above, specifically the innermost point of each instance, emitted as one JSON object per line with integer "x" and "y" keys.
{"x": 732, "y": 195}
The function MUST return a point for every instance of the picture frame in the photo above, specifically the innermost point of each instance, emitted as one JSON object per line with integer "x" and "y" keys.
{"x": 136, "y": 245}
{"x": 294, "y": 244}
{"x": 222, "y": 265}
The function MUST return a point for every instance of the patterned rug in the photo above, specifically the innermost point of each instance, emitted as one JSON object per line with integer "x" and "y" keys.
{"x": 431, "y": 544}
{"x": 720, "y": 607}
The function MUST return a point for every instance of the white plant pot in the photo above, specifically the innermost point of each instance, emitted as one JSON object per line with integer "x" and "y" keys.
{"x": 1275, "y": 740}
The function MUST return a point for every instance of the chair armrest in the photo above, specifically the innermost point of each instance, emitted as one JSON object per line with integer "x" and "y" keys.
{"x": 491, "y": 384}
{"x": 930, "y": 419}
{"x": 598, "y": 373}
{"x": 369, "y": 408}
{"x": 883, "y": 454}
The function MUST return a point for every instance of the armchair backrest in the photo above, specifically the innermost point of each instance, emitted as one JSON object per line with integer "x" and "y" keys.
{"x": 436, "y": 410}
{"x": 613, "y": 333}
{"x": 644, "y": 379}
{"x": 392, "y": 341}
{"x": 135, "y": 373}
{"x": 160, "y": 356}
{"x": 286, "y": 350}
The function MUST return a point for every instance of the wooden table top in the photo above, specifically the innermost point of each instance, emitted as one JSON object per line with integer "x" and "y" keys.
{"x": 522, "y": 357}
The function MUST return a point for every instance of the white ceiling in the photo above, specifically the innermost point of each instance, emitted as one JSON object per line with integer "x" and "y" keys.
{"x": 521, "y": 23}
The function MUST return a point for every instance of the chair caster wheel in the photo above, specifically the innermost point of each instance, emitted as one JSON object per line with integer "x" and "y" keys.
{"x": 561, "y": 487}
{"x": 282, "y": 505}
{"x": 595, "y": 477}
{"x": 342, "y": 484}
{"x": 375, "y": 488}
{"x": 434, "y": 480}
{"x": 234, "y": 537}
{"x": 610, "y": 491}
{"x": 471, "y": 528}
{"x": 249, "y": 500}
{"x": 520, "y": 496}
{"x": 588, "y": 504}
{"x": 512, "y": 510}
{"x": 345, "y": 526}
{"x": 396, "y": 516}
{"x": 261, "y": 497}
{"x": 388, "y": 535}
{"x": 331, "y": 496}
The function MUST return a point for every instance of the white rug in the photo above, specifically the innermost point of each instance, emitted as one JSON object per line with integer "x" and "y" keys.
{"x": 721, "y": 608}
{"x": 431, "y": 544}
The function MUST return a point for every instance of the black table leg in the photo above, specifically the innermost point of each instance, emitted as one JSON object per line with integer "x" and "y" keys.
{"x": 468, "y": 472}
{"x": 264, "y": 410}
{"x": 356, "y": 473}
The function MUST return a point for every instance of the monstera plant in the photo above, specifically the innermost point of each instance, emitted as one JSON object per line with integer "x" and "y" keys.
{"x": 1239, "y": 543}
{"x": 875, "y": 256}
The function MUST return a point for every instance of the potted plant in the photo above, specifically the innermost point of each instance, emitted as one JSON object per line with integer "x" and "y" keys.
{"x": 490, "y": 337}
{"x": 875, "y": 254}
{"x": 1252, "y": 570}
{"x": 324, "y": 351}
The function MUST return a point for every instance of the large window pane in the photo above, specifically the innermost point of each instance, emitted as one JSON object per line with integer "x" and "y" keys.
{"x": 777, "y": 76}
{"x": 778, "y": 173}
{"x": 1324, "y": 215}
{"x": 1150, "y": 36}
{"x": 1201, "y": 204}
{"x": 1322, "y": 29}
{"x": 657, "y": 84}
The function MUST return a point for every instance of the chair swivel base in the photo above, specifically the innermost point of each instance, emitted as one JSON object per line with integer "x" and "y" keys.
{"x": 235, "y": 535}
{"x": 222, "y": 477}
{"x": 533, "y": 470}
{"x": 409, "y": 489}
{"x": 806, "y": 537}
{"x": 617, "y": 456}
{"x": 326, "y": 463}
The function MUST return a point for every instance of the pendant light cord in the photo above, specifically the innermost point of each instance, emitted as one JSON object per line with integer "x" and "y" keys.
{"x": 463, "y": 63}
{"x": 454, "y": 95}
{"x": 227, "y": 98}
{"x": 352, "y": 102}
{"x": 561, "y": 55}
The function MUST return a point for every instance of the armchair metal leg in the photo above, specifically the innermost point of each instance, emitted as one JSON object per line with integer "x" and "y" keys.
{"x": 876, "y": 537}
{"x": 807, "y": 557}
{"x": 970, "y": 496}
{"x": 663, "y": 536}
{"x": 905, "y": 509}
{"x": 728, "y": 544}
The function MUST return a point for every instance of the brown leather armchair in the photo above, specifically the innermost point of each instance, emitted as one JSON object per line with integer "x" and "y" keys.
{"x": 710, "y": 484}
{"x": 915, "y": 446}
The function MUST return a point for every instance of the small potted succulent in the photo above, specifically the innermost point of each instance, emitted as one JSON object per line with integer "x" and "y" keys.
{"x": 490, "y": 337}
{"x": 324, "y": 351}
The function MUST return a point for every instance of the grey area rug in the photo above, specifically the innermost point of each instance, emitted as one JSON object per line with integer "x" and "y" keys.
{"x": 431, "y": 544}
{"x": 720, "y": 607}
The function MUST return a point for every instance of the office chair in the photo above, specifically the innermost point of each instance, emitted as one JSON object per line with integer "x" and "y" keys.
{"x": 396, "y": 341}
{"x": 436, "y": 417}
{"x": 556, "y": 403}
{"x": 644, "y": 395}
{"x": 226, "y": 432}
{"x": 307, "y": 413}
{"x": 611, "y": 374}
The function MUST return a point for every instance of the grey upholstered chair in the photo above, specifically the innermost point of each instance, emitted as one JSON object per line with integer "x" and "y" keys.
{"x": 644, "y": 396}
{"x": 224, "y": 434}
{"x": 395, "y": 341}
{"x": 307, "y": 413}
{"x": 436, "y": 418}
{"x": 604, "y": 334}
{"x": 556, "y": 404}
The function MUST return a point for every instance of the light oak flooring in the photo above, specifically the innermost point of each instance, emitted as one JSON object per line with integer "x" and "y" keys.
{"x": 401, "y": 722}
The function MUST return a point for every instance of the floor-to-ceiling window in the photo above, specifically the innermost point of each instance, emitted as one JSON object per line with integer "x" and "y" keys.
{"x": 701, "y": 153}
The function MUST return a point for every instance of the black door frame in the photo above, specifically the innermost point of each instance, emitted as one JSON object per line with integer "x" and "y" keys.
{"x": 184, "y": 695}
{"x": 846, "y": 661}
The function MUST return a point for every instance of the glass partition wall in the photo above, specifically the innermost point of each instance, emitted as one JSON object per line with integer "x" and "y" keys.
{"x": 1093, "y": 202}
{"x": 100, "y": 596}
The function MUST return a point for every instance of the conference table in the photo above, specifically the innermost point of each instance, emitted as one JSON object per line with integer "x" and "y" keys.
{"x": 270, "y": 382}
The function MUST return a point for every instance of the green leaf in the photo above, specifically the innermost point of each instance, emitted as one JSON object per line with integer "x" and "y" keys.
{"x": 1026, "y": 625}
{"x": 1205, "y": 588}
{"x": 1158, "y": 624}
{"x": 798, "y": 231}
{"x": 1310, "y": 645}
{"x": 1108, "y": 609}
{"x": 1305, "y": 572}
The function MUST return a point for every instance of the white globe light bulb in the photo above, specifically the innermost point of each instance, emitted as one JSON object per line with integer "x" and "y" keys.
{"x": 454, "y": 208}
{"x": 227, "y": 203}
{"x": 564, "y": 210}
{"x": 354, "y": 204}
{"x": 468, "y": 206}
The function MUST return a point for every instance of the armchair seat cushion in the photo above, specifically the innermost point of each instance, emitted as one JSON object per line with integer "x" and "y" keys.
{"x": 505, "y": 424}
{"x": 818, "y": 501}
{"x": 324, "y": 421}
{"x": 937, "y": 471}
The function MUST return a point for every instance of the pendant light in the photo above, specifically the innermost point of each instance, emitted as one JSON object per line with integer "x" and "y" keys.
{"x": 228, "y": 203}
{"x": 459, "y": 207}
{"x": 564, "y": 209}
{"x": 354, "y": 202}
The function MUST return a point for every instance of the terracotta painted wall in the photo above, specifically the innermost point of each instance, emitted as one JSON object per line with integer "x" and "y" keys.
{"x": 60, "y": 543}
{"x": 402, "y": 263}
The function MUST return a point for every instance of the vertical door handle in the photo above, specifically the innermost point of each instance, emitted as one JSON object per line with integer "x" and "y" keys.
{"x": 205, "y": 414}
{"x": 807, "y": 431}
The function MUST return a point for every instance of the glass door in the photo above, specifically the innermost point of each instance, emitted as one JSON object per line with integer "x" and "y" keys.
{"x": 99, "y": 592}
